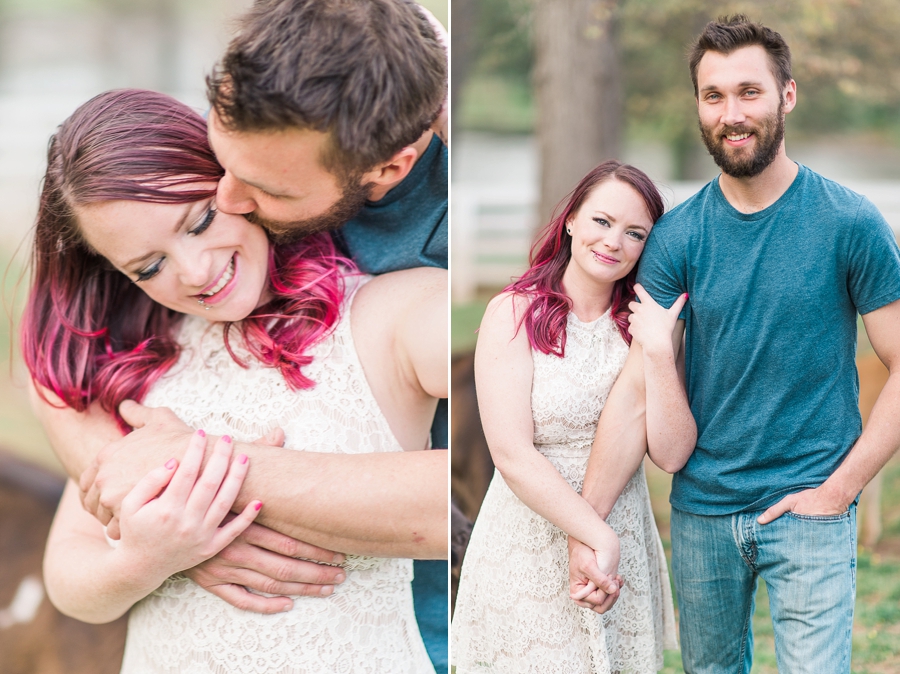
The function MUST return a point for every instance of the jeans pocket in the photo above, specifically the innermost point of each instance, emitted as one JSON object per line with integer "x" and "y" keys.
{"x": 820, "y": 518}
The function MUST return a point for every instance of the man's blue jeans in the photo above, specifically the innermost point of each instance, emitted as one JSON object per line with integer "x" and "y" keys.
{"x": 809, "y": 565}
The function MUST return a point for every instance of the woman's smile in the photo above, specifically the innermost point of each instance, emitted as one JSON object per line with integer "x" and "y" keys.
{"x": 607, "y": 259}
{"x": 188, "y": 257}
{"x": 223, "y": 285}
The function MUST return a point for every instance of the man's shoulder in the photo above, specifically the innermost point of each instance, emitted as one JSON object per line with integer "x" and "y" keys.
{"x": 832, "y": 195}
{"x": 687, "y": 212}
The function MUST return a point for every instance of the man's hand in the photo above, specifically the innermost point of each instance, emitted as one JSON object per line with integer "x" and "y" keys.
{"x": 589, "y": 585}
{"x": 808, "y": 502}
{"x": 265, "y": 561}
{"x": 158, "y": 436}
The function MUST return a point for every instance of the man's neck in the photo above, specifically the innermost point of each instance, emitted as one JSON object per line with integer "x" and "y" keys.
{"x": 380, "y": 191}
{"x": 751, "y": 195}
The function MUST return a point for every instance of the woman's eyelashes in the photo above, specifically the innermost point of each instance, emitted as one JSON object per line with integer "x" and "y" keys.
{"x": 633, "y": 233}
{"x": 151, "y": 271}
{"x": 206, "y": 222}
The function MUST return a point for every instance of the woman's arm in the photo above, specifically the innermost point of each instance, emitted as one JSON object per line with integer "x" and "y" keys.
{"x": 170, "y": 522}
{"x": 503, "y": 379}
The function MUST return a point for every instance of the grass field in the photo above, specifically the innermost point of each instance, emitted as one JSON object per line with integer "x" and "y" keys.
{"x": 876, "y": 629}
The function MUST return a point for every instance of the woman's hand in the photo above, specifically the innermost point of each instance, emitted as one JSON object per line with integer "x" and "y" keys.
{"x": 593, "y": 579}
{"x": 651, "y": 325}
{"x": 171, "y": 520}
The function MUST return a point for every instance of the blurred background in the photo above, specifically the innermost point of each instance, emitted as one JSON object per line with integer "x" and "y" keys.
{"x": 55, "y": 55}
{"x": 543, "y": 90}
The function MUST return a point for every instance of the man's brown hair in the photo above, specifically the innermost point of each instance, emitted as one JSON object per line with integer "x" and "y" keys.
{"x": 728, "y": 34}
{"x": 371, "y": 73}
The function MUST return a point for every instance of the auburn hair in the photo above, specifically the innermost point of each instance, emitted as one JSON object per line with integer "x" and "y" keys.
{"x": 546, "y": 316}
{"x": 90, "y": 334}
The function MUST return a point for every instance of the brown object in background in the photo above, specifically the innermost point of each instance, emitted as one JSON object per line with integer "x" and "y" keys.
{"x": 471, "y": 467}
{"x": 873, "y": 376}
{"x": 35, "y": 637}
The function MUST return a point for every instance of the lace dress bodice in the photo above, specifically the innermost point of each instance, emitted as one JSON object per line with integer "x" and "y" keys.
{"x": 568, "y": 394}
{"x": 368, "y": 623}
{"x": 513, "y": 613}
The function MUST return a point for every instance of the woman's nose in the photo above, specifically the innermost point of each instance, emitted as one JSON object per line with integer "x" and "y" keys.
{"x": 194, "y": 268}
{"x": 613, "y": 240}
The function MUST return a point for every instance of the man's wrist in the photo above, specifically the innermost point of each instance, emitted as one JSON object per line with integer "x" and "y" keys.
{"x": 836, "y": 490}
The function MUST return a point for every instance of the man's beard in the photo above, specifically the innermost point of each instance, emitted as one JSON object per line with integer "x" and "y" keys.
{"x": 353, "y": 197}
{"x": 739, "y": 163}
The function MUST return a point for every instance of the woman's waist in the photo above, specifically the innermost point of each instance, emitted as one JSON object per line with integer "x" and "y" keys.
{"x": 570, "y": 448}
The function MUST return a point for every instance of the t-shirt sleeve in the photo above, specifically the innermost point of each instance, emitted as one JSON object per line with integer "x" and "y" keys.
{"x": 874, "y": 261}
{"x": 661, "y": 271}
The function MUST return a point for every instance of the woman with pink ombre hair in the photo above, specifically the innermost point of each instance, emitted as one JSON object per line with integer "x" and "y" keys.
{"x": 142, "y": 290}
{"x": 549, "y": 351}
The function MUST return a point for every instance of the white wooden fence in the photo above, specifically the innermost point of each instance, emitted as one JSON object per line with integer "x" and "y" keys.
{"x": 493, "y": 227}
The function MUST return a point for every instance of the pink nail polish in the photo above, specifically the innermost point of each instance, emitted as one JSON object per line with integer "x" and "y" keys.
{"x": 226, "y": 438}
{"x": 201, "y": 432}
{"x": 170, "y": 464}
{"x": 686, "y": 296}
{"x": 258, "y": 505}
{"x": 242, "y": 458}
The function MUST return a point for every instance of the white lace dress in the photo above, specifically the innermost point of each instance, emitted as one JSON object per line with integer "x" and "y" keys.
{"x": 368, "y": 624}
{"x": 513, "y": 613}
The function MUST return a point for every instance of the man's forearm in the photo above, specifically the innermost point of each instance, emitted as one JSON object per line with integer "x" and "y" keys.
{"x": 387, "y": 504}
{"x": 621, "y": 439}
{"x": 874, "y": 448}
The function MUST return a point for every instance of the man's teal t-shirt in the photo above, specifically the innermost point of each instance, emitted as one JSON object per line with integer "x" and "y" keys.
{"x": 408, "y": 227}
{"x": 770, "y": 330}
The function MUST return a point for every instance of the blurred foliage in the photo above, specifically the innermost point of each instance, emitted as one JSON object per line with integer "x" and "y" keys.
{"x": 846, "y": 61}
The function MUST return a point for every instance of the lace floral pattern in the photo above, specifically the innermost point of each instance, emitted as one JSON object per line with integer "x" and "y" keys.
{"x": 513, "y": 612}
{"x": 368, "y": 624}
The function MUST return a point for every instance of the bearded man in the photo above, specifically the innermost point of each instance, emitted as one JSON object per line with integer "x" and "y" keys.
{"x": 778, "y": 261}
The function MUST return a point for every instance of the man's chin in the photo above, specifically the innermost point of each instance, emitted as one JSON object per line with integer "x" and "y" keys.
{"x": 739, "y": 167}
{"x": 294, "y": 230}
{"x": 343, "y": 211}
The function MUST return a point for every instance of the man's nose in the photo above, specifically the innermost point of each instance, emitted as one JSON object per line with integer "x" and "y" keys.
{"x": 232, "y": 196}
{"x": 734, "y": 112}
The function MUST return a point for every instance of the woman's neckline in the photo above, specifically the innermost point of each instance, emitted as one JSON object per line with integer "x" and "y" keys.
{"x": 588, "y": 324}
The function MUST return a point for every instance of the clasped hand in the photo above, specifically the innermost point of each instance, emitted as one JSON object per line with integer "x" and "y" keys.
{"x": 593, "y": 579}
{"x": 259, "y": 559}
